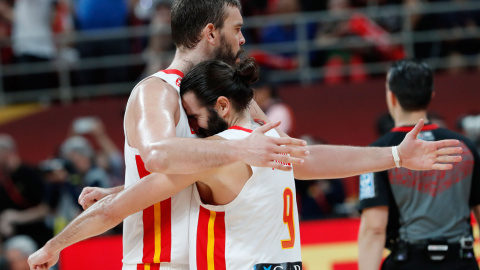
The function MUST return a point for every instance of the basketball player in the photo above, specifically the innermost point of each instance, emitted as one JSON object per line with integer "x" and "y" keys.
{"x": 247, "y": 200}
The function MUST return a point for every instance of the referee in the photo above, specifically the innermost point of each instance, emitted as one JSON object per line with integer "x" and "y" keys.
{"x": 422, "y": 217}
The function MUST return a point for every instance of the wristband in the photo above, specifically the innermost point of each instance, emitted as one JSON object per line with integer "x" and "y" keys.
{"x": 396, "y": 157}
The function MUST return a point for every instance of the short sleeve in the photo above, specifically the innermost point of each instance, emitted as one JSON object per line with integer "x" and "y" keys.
{"x": 374, "y": 190}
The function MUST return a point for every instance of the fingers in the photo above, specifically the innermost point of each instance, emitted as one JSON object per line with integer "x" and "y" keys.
{"x": 289, "y": 141}
{"x": 446, "y": 143}
{"x": 85, "y": 191}
{"x": 449, "y": 151}
{"x": 286, "y": 159}
{"x": 279, "y": 166}
{"x": 442, "y": 167}
{"x": 449, "y": 159}
{"x": 416, "y": 130}
{"x": 265, "y": 128}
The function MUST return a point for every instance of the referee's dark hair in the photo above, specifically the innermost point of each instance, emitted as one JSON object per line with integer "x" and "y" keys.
{"x": 189, "y": 17}
{"x": 411, "y": 80}
{"x": 213, "y": 78}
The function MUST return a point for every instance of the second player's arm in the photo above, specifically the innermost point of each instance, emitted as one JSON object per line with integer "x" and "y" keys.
{"x": 110, "y": 211}
{"x": 333, "y": 161}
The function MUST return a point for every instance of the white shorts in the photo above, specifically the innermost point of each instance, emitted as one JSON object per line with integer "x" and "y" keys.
{"x": 163, "y": 266}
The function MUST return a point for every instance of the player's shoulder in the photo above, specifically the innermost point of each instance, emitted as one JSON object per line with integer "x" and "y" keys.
{"x": 156, "y": 84}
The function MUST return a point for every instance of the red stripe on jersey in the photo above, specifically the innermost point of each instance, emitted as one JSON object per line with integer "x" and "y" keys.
{"x": 166, "y": 230}
{"x": 155, "y": 266}
{"x": 149, "y": 237}
{"x": 241, "y": 128}
{"x": 140, "y": 267}
{"x": 148, "y": 219}
{"x": 202, "y": 239}
{"x": 173, "y": 71}
{"x": 148, "y": 234}
{"x": 142, "y": 172}
{"x": 408, "y": 129}
{"x": 220, "y": 263}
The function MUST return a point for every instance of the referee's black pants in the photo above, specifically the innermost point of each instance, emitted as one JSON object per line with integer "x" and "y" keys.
{"x": 418, "y": 259}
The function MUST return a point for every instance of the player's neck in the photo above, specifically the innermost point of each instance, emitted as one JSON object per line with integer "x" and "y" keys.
{"x": 403, "y": 118}
{"x": 244, "y": 121}
{"x": 185, "y": 60}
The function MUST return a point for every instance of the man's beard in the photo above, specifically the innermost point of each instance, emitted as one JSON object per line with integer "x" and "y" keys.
{"x": 216, "y": 124}
{"x": 225, "y": 53}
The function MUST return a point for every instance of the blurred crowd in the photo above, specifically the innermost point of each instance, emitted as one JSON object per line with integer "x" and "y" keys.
{"x": 36, "y": 202}
{"x": 28, "y": 29}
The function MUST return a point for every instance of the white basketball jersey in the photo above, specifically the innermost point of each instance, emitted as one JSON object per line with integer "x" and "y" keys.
{"x": 157, "y": 237}
{"x": 257, "y": 230}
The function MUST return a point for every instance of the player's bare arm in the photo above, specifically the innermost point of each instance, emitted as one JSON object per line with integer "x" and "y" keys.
{"x": 111, "y": 210}
{"x": 332, "y": 161}
{"x": 91, "y": 195}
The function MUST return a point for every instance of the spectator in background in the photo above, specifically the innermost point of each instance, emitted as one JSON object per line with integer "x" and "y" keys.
{"x": 276, "y": 110}
{"x": 6, "y": 14}
{"x": 81, "y": 155}
{"x": 160, "y": 50}
{"x": 21, "y": 193}
{"x": 329, "y": 34}
{"x": 108, "y": 157}
{"x": 92, "y": 16}
{"x": 66, "y": 177}
{"x": 462, "y": 39}
{"x": 17, "y": 250}
{"x": 277, "y": 32}
{"x": 33, "y": 41}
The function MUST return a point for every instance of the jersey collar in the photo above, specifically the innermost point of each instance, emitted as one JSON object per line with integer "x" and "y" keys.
{"x": 173, "y": 71}
{"x": 241, "y": 128}
{"x": 409, "y": 128}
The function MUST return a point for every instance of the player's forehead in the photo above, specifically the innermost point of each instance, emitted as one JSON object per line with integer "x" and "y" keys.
{"x": 190, "y": 103}
{"x": 234, "y": 17}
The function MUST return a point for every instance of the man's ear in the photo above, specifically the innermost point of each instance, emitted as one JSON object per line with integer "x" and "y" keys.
{"x": 210, "y": 33}
{"x": 392, "y": 98}
{"x": 223, "y": 106}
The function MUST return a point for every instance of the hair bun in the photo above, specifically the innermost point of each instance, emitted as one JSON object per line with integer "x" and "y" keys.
{"x": 247, "y": 71}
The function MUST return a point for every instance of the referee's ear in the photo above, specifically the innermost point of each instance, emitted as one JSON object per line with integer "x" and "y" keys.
{"x": 391, "y": 99}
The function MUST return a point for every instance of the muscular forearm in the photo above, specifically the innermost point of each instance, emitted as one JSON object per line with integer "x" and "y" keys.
{"x": 333, "y": 161}
{"x": 186, "y": 156}
{"x": 111, "y": 210}
{"x": 94, "y": 221}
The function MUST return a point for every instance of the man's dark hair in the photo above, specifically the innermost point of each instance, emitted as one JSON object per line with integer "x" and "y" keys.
{"x": 411, "y": 80}
{"x": 189, "y": 17}
{"x": 213, "y": 78}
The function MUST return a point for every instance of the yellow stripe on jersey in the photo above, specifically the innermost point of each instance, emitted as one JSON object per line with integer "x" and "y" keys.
{"x": 211, "y": 241}
{"x": 158, "y": 233}
{"x": 146, "y": 266}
